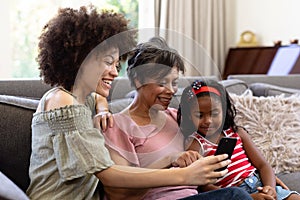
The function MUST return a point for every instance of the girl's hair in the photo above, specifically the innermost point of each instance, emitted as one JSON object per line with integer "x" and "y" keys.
{"x": 199, "y": 89}
{"x": 69, "y": 37}
{"x": 153, "y": 59}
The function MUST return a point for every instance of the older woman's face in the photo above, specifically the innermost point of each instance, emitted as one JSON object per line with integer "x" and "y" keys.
{"x": 159, "y": 93}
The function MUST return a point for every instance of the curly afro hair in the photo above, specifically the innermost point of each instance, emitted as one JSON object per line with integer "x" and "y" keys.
{"x": 71, "y": 35}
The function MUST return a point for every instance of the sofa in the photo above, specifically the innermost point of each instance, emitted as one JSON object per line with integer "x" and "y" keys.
{"x": 19, "y": 99}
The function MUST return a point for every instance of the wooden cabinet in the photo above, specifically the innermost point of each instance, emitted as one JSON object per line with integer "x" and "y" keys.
{"x": 259, "y": 60}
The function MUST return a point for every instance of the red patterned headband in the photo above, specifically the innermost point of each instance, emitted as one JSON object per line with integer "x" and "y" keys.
{"x": 205, "y": 89}
{"x": 199, "y": 87}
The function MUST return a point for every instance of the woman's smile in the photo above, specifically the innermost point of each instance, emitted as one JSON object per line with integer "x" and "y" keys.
{"x": 165, "y": 100}
{"x": 106, "y": 83}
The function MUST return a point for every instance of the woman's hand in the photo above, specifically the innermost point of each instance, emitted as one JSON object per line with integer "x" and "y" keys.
{"x": 103, "y": 118}
{"x": 186, "y": 158}
{"x": 202, "y": 171}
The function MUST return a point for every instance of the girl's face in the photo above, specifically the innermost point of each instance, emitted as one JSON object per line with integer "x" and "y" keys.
{"x": 159, "y": 93}
{"x": 207, "y": 115}
{"x": 109, "y": 61}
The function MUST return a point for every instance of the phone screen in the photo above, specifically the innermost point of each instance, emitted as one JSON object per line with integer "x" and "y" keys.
{"x": 226, "y": 146}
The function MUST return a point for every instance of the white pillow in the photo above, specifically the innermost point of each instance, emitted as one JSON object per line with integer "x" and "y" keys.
{"x": 274, "y": 125}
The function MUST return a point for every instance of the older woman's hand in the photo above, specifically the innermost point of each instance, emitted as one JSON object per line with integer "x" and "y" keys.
{"x": 186, "y": 158}
{"x": 203, "y": 171}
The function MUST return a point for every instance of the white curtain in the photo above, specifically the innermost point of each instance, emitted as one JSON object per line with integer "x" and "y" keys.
{"x": 196, "y": 28}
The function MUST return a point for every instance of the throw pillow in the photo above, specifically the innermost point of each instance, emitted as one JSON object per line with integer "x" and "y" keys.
{"x": 274, "y": 125}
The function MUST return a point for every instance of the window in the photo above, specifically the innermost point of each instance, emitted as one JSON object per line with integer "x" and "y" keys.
{"x": 24, "y": 21}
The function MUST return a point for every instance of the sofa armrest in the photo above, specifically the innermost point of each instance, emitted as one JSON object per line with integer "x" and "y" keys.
{"x": 289, "y": 81}
{"x": 15, "y": 137}
{"x": 9, "y": 190}
{"x": 265, "y": 89}
{"x": 235, "y": 86}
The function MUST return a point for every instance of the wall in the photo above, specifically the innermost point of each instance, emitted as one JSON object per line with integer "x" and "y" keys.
{"x": 270, "y": 20}
{"x": 5, "y": 40}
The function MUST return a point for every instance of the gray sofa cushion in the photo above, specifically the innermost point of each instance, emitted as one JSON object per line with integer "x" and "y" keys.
{"x": 118, "y": 105}
{"x": 289, "y": 81}
{"x": 291, "y": 180}
{"x": 264, "y": 89}
{"x": 33, "y": 88}
{"x": 22, "y": 102}
{"x": 121, "y": 85}
{"x": 15, "y": 136}
{"x": 235, "y": 86}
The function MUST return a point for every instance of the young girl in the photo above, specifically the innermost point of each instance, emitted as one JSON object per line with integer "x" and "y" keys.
{"x": 205, "y": 115}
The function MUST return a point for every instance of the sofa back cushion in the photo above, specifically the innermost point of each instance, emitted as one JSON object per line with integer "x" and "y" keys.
{"x": 32, "y": 88}
{"x": 15, "y": 138}
{"x": 265, "y": 89}
{"x": 235, "y": 86}
{"x": 121, "y": 87}
{"x": 289, "y": 81}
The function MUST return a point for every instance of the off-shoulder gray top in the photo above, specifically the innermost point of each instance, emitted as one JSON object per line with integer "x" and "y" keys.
{"x": 66, "y": 152}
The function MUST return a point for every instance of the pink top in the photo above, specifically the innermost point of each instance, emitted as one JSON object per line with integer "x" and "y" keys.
{"x": 240, "y": 166}
{"x": 143, "y": 145}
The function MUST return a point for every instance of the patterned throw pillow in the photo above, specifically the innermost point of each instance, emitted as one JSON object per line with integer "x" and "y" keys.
{"x": 274, "y": 125}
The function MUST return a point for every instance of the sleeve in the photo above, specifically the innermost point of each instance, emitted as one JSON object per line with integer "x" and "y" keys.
{"x": 79, "y": 148}
{"x": 121, "y": 141}
{"x": 194, "y": 136}
{"x": 173, "y": 113}
{"x": 91, "y": 102}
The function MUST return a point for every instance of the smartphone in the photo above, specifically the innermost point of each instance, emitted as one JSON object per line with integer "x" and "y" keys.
{"x": 226, "y": 146}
